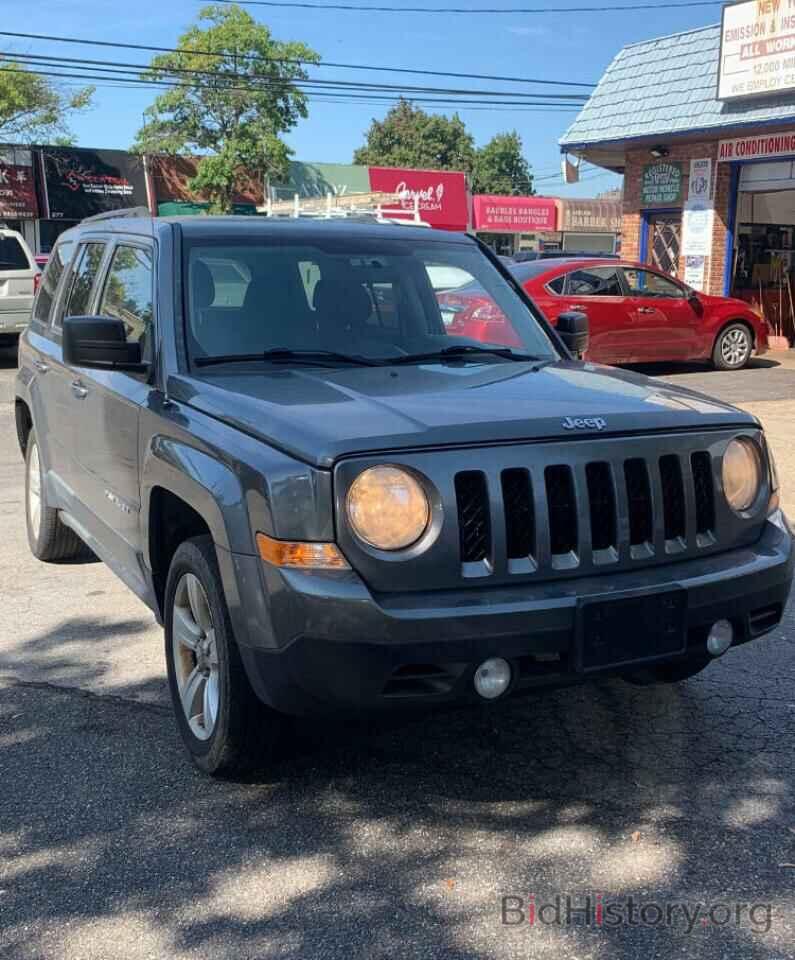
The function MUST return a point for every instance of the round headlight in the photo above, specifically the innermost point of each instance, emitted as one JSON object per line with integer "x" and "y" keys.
{"x": 742, "y": 474}
{"x": 388, "y": 508}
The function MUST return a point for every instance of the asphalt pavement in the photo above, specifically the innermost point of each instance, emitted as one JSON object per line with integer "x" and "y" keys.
{"x": 378, "y": 838}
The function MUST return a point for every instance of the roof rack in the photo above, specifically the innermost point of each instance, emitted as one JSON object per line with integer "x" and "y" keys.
{"x": 124, "y": 213}
{"x": 352, "y": 206}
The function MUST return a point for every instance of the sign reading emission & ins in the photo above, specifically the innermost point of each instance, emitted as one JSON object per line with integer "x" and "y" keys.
{"x": 757, "y": 49}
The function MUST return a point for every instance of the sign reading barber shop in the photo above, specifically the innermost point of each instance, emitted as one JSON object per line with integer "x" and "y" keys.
{"x": 661, "y": 184}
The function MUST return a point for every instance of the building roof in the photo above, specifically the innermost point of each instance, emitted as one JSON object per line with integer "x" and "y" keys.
{"x": 663, "y": 87}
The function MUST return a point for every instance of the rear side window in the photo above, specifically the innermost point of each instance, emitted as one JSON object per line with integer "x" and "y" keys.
{"x": 556, "y": 285}
{"x": 89, "y": 258}
{"x": 594, "y": 282}
{"x": 128, "y": 291}
{"x": 53, "y": 272}
{"x": 12, "y": 256}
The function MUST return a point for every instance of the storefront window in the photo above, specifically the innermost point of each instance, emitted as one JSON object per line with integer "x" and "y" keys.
{"x": 665, "y": 241}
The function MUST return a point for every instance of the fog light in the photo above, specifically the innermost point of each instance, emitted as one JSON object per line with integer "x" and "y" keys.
{"x": 492, "y": 678}
{"x": 720, "y": 637}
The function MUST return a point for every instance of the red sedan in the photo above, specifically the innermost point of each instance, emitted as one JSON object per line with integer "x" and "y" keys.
{"x": 636, "y": 314}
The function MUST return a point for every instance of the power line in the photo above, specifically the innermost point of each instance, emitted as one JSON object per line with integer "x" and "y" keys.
{"x": 350, "y": 8}
{"x": 311, "y": 63}
{"x": 264, "y": 81}
{"x": 343, "y": 97}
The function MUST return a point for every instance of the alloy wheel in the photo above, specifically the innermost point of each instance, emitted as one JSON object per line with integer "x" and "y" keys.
{"x": 195, "y": 653}
{"x": 34, "y": 492}
{"x": 735, "y": 347}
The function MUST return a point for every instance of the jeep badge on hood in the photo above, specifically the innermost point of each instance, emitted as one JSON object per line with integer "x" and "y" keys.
{"x": 584, "y": 423}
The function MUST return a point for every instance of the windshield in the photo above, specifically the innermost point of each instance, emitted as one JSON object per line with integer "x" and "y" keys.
{"x": 375, "y": 298}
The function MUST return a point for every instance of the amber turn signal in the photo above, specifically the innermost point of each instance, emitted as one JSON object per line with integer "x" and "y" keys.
{"x": 306, "y": 556}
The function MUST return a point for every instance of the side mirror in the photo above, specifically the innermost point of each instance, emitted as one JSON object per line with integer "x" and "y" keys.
{"x": 572, "y": 327}
{"x": 99, "y": 342}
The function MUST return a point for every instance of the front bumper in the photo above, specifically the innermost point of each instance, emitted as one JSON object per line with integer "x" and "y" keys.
{"x": 324, "y": 642}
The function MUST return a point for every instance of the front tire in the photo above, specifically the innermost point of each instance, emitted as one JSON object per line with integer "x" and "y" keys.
{"x": 49, "y": 539}
{"x": 225, "y": 727}
{"x": 733, "y": 348}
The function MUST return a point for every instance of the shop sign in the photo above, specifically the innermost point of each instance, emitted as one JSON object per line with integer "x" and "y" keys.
{"x": 80, "y": 183}
{"x": 442, "y": 196}
{"x": 696, "y": 228}
{"x": 700, "y": 185}
{"x": 497, "y": 214}
{"x": 757, "y": 45}
{"x": 756, "y": 148}
{"x": 322, "y": 179}
{"x": 17, "y": 190}
{"x": 661, "y": 184}
{"x": 694, "y": 272}
{"x": 591, "y": 216}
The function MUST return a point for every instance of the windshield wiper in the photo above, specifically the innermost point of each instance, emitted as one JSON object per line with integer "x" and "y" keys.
{"x": 285, "y": 355}
{"x": 464, "y": 351}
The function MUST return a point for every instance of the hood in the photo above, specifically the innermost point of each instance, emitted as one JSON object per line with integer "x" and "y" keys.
{"x": 709, "y": 300}
{"x": 319, "y": 415}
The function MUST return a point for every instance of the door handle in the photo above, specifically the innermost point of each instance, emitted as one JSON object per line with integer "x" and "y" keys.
{"x": 41, "y": 366}
{"x": 579, "y": 306}
{"x": 79, "y": 390}
{"x": 646, "y": 310}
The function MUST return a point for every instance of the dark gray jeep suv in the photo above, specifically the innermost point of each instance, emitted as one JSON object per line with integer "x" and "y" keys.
{"x": 266, "y": 430}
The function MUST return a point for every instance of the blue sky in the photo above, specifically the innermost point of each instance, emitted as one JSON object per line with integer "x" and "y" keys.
{"x": 557, "y": 46}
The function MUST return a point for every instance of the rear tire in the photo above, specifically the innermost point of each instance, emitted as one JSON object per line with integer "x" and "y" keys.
{"x": 733, "y": 348}
{"x": 226, "y": 728}
{"x": 49, "y": 539}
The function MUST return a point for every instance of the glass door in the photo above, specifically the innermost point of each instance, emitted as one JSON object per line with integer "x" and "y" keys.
{"x": 664, "y": 242}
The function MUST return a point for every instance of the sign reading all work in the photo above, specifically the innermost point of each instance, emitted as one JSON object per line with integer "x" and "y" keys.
{"x": 661, "y": 184}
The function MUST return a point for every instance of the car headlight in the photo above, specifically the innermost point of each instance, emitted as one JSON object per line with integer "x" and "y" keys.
{"x": 742, "y": 473}
{"x": 388, "y": 508}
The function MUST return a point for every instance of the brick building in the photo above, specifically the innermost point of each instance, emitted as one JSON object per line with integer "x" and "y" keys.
{"x": 702, "y": 126}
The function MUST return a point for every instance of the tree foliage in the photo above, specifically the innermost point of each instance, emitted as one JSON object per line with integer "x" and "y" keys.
{"x": 409, "y": 137}
{"x": 33, "y": 110}
{"x": 501, "y": 168}
{"x": 232, "y": 106}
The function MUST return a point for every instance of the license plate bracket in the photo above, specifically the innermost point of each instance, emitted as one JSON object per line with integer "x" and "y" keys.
{"x": 630, "y": 631}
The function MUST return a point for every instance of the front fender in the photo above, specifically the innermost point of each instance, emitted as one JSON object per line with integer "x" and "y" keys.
{"x": 204, "y": 483}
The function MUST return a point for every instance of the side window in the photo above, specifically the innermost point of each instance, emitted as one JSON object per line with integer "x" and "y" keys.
{"x": 594, "y": 282}
{"x": 128, "y": 291}
{"x": 84, "y": 275}
{"x": 556, "y": 285}
{"x": 645, "y": 283}
{"x": 56, "y": 265}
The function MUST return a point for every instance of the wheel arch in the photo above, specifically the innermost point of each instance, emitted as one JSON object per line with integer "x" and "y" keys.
{"x": 722, "y": 326}
{"x": 185, "y": 493}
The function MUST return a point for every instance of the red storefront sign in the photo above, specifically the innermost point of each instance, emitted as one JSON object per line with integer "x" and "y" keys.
{"x": 442, "y": 196}
{"x": 17, "y": 192}
{"x": 515, "y": 214}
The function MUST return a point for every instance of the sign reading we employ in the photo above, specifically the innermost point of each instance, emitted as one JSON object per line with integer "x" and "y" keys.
{"x": 757, "y": 49}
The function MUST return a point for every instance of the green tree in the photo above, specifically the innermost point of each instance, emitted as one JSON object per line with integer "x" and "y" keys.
{"x": 409, "y": 137}
{"x": 232, "y": 106}
{"x": 500, "y": 167}
{"x": 33, "y": 110}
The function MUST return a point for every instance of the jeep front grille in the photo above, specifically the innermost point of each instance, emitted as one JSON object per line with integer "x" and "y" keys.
{"x": 588, "y": 515}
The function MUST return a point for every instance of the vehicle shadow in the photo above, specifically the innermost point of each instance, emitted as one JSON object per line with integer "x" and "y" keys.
{"x": 669, "y": 369}
{"x": 375, "y": 838}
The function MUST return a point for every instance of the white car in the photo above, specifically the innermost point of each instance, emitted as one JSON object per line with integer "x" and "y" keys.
{"x": 18, "y": 272}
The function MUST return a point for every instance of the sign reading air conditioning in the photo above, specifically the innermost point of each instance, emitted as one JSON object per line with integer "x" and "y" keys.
{"x": 757, "y": 49}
